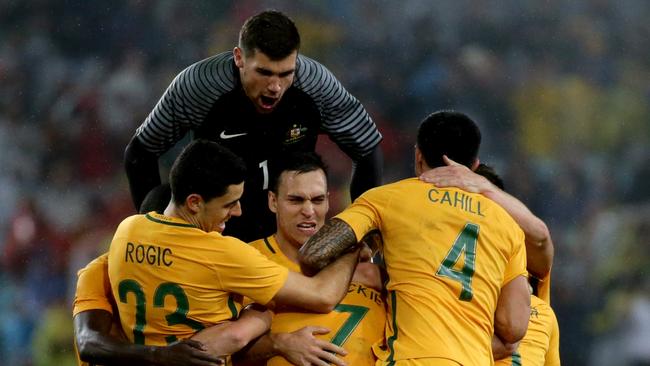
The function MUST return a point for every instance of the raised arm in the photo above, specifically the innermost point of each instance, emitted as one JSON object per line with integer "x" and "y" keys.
{"x": 367, "y": 172}
{"x": 324, "y": 290}
{"x": 141, "y": 170}
{"x": 330, "y": 242}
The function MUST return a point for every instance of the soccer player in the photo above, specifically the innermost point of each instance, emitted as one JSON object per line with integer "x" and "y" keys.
{"x": 99, "y": 338}
{"x": 455, "y": 259}
{"x": 261, "y": 99}
{"x": 174, "y": 274}
{"x": 540, "y": 346}
{"x": 298, "y": 196}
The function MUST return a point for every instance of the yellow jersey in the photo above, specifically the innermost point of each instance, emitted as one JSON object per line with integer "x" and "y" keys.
{"x": 356, "y": 323}
{"x": 94, "y": 293}
{"x": 541, "y": 344}
{"x": 171, "y": 279}
{"x": 93, "y": 287}
{"x": 447, "y": 253}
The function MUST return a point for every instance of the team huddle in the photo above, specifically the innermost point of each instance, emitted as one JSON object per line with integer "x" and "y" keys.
{"x": 232, "y": 261}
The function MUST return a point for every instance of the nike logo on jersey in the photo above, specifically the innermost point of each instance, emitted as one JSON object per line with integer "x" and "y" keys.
{"x": 225, "y": 137}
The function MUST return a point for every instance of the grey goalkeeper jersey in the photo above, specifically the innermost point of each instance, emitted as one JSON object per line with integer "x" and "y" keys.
{"x": 207, "y": 99}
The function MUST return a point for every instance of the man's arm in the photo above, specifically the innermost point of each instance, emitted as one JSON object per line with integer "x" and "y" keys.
{"x": 299, "y": 348}
{"x": 96, "y": 345}
{"x": 367, "y": 172}
{"x": 141, "y": 170}
{"x": 229, "y": 337}
{"x": 330, "y": 242}
{"x": 513, "y": 311}
{"x": 539, "y": 247}
{"x": 502, "y": 350}
{"x": 322, "y": 292}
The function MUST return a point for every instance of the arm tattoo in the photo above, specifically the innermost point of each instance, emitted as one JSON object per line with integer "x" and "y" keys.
{"x": 329, "y": 243}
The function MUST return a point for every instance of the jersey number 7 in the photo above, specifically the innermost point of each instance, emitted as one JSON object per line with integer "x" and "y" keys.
{"x": 356, "y": 314}
{"x": 465, "y": 243}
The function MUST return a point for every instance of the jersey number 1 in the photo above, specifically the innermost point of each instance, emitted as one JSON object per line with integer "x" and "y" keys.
{"x": 464, "y": 243}
{"x": 265, "y": 172}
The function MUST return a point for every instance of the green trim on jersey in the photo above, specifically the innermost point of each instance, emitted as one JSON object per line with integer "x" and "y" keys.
{"x": 167, "y": 222}
{"x": 232, "y": 307}
{"x": 268, "y": 245}
{"x": 391, "y": 339}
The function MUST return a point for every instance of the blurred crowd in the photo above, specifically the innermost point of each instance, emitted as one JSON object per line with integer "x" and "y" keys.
{"x": 560, "y": 89}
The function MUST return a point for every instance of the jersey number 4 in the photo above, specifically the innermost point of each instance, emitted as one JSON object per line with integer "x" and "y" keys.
{"x": 464, "y": 243}
{"x": 165, "y": 289}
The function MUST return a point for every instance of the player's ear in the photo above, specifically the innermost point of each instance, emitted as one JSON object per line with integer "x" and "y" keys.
{"x": 419, "y": 160}
{"x": 475, "y": 164}
{"x": 239, "y": 57}
{"x": 273, "y": 202}
{"x": 194, "y": 202}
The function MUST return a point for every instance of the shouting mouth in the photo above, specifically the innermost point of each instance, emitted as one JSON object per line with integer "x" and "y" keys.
{"x": 267, "y": 103}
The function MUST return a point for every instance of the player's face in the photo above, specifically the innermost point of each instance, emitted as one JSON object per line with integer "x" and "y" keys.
{"x": 300, "y": 205}
{"x": 264, "y": 80}
{"x": 213, "y": 214}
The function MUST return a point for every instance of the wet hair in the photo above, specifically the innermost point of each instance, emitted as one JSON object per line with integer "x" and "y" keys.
{"x": 205, "y": 168}
{"x": 491, "y": 175}
{"x": 301, "y": 162}
{"x": 448, "y": 133}
{"x": 270, "y": 32}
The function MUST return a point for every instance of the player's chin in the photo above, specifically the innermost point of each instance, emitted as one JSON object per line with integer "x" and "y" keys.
{"x": 306, "y": 233}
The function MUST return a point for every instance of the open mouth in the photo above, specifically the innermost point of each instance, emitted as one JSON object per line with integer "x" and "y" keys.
{"x": 222, "y": 226}
{"x": 308, "y": 227}
{"x": 268, "y": 102}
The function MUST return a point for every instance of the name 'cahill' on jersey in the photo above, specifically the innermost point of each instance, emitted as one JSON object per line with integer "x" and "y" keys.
{"x": 448, "y": 253}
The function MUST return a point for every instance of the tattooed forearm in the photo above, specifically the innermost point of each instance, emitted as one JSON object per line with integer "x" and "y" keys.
{"x": 325, "y": 246}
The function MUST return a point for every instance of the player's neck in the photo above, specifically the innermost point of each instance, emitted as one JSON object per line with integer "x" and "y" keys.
{"x": 180, "y": 213}
{"x": 287, "y": 247}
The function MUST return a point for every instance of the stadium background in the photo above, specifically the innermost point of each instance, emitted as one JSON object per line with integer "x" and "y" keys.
{"x": 561, "y": 90}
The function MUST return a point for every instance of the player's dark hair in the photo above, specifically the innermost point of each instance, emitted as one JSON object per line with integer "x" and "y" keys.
{"x": 448, "y": 133}
{"x": 301, "y": 162}
{"x": 491, "y": 175}
{"x": 205, "y": 168}
{"x": 157, "y": 199}
{"x": 270, "y": 32}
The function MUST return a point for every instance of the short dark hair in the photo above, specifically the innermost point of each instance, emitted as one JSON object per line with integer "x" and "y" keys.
{"x": 272, "y": 33}
{"x": 157, "y": 199}
{"x": 491, "y": 175}
{"x": 301, "y": 162}
{"x": 448, "y": 133}
{"x": 205, "y": 168}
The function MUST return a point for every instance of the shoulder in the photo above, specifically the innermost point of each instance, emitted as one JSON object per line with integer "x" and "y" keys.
{"x": 311, "y": 74}
{"x": 216, "y": 71}
{"x": 262, "y": 245}
{"x": 130, "y": 221}
{"x": 96, "y": 268}
{"x": 235, "y": 246}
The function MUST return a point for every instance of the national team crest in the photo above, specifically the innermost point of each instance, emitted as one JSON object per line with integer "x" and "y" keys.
{"x": 296, "y": 133}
